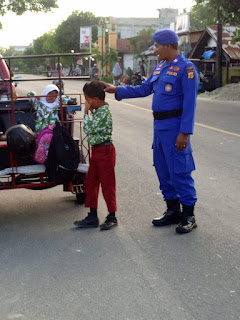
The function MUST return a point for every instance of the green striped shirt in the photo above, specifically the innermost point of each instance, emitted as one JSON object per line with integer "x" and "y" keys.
{"x": 99, "y": 128}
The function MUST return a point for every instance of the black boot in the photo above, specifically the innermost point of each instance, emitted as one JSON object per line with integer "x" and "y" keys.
{"x": 171, "y": 216}
{"x": 188, "y": 222}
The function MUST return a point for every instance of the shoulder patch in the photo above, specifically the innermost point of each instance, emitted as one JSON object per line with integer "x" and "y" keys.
{"x": 190, "y": 72}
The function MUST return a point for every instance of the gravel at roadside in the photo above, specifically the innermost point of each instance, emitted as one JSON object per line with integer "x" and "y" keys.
{"x": 230, "y": 92}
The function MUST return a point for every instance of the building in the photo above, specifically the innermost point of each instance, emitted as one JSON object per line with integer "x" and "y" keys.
{"x": 129, "y": 27}
{"x": 120, "y": 30}
{"x": 205, "y": 51}
{"x": 19, "y": 48}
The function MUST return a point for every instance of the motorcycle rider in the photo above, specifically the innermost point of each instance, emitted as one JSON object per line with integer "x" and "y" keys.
{"x": 95, "y": 72}
{"x": 58, "y": 72}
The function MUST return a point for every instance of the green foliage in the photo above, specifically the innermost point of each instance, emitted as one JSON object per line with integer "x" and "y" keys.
{"x": 68, "y": 32}
{"x": 16, "y": 65}
{"x": 21, "y": 6}
{"x": 46, "y": 44}
{"x": 229, "y": 10}
{"x": 202, "y": 16}
{"x": 142, "y": 41}
{"x": 236, "y": 36}
{"x": 108, "y": 78}
{"x": 109, "y": 58}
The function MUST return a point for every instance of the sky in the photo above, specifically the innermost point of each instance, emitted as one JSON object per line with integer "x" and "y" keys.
{"x": 22, "y": 30}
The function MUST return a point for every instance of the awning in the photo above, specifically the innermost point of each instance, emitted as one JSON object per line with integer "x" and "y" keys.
{"x": 208, "y": 54}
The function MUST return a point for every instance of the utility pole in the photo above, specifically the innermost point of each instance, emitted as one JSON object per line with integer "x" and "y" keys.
{"x": 102, "y": 54}
{"x": 218, "y": 71}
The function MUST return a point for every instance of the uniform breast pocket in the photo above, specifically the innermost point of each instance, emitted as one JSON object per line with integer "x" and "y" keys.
{"x": 168, "y": 85}
{"x": 154, "y": 82}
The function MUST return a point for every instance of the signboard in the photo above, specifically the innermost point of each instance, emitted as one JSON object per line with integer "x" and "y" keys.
{"x": 182, "y": 23}
{"x": 85, "y": 38}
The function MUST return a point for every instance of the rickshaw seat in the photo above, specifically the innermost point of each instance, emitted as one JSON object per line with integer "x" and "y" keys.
{"x": 37, "y": 169}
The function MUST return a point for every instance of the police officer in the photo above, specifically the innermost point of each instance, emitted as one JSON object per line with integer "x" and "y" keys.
{"x": 174, "y": 84}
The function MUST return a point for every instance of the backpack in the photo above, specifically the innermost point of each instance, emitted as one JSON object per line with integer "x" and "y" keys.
{"x": 43, "y": 143}
{"x": 63, "y": 156}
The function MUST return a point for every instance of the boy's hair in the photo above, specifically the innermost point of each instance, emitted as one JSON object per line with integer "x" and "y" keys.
{"x": 94, "y": 89}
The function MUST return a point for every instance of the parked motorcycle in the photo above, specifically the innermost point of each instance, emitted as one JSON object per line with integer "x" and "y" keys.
{"x": 136, "y": 79}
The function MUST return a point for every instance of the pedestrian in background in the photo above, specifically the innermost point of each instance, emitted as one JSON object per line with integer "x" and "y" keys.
{"x": 142, "y": 68}
{"x": 174, "y": 84}
{"x": 117, "y": 72}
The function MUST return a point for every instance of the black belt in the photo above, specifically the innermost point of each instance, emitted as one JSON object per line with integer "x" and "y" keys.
{"x": 167, "y": 114}
{"x": 104, "y": 143}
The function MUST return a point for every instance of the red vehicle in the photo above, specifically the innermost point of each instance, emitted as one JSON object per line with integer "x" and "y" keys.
{"x": 24, "y": 172}
{"x": 7, "y": 89}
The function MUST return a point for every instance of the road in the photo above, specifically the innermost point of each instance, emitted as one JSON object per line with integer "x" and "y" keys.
{"x": 50, "y": 270}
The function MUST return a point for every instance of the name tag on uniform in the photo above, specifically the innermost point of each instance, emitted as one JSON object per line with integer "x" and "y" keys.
{"x": 172, "y": 73}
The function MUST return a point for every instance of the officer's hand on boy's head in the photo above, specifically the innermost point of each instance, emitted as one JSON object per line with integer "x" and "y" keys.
{"x": 109, "y": 88}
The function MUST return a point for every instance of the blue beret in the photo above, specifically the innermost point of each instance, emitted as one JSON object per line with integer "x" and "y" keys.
{"x": 165, "y": 36}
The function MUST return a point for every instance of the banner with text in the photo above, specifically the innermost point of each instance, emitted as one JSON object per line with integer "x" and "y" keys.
{"x": 85, "y": 38}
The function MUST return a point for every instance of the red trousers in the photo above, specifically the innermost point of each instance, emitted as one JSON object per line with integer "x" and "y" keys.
{"x": 101, "y": 171}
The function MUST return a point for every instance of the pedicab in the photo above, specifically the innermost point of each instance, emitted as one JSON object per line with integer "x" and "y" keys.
{"x": 23, "y": 172}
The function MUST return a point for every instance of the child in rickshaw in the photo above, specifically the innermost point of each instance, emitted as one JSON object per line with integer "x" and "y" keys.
{"x": 103, "y": 158}
{"x": 47, "y": 106}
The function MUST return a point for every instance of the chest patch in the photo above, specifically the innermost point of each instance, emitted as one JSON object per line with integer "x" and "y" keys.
{"x": 174, "y": 68}
{"x": 168, "y": 87}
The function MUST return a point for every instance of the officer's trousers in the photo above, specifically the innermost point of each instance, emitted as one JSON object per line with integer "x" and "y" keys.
{"x": 174, "y": 167}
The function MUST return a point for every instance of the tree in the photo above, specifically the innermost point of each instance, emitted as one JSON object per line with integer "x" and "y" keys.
{"x": 68, "y": 32}
{"x": 202, "y": 16}
{"x": 21, "y": 6}
{"x": 46, "y": 44}
{"x": 142, "y": 41}
{"x": 229, "y": 10}
{"x": 236, "y": 36}
{"x": 109, "y": 58}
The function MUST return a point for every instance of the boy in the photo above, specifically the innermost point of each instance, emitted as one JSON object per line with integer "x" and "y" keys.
{"x": 103, "y": 158}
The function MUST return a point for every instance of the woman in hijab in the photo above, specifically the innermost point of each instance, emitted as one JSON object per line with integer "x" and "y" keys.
{"x": 47, "y": 106}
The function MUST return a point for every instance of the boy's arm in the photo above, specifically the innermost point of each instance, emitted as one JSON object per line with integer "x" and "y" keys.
{"x": 87, "y": 123}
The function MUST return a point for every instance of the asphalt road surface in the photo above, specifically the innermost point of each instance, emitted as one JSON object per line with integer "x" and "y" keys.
{"x": 51, "y": 271}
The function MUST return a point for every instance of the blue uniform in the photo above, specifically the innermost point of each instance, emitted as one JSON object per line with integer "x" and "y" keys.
{"x": 174, "y": 86}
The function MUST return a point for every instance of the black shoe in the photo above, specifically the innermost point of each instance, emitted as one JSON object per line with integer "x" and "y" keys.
{"x": 88, "y": 222}
{"x": 109, "y": 223}
{"x": 186, "y": 225}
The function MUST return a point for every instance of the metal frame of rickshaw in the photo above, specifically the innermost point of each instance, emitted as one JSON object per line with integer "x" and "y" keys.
{"x": 39, "y": 180}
